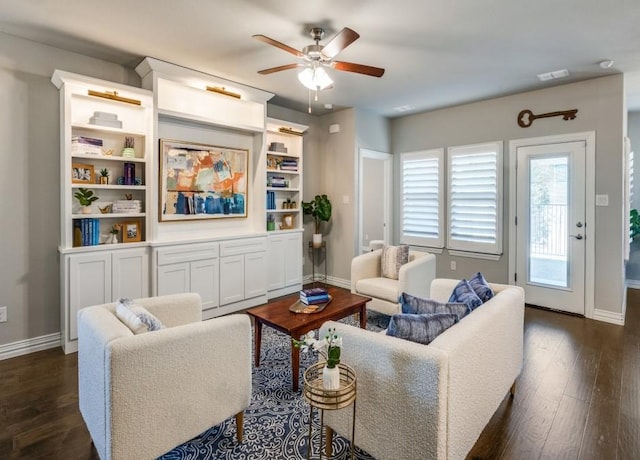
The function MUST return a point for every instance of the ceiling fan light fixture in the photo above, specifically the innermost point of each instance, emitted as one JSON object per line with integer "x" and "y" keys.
{"x": 315, "y": 78}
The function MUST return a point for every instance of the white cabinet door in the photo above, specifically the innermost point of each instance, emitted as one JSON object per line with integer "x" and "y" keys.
{"x": 231, "y": 279}
{"x": 173, "y": 279}
{"x": 255, "y": 274}
{"x": 275, "y": 262}
{"x": 130, "y": 271}
{"x": 205, "y": 280}
{"x": 89, "y": 284}
{"x": 292, "y": 259}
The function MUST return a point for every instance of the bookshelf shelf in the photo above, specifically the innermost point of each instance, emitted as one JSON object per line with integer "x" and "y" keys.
{"x": 284, "y": 158}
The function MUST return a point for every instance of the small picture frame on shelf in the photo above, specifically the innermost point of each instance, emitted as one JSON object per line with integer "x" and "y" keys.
{"x": 288, "y": 222}
{"x": 82, "y": 174}
{"x": 131, "y": 232}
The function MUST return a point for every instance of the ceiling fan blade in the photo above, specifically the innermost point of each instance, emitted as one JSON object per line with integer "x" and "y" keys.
{"x": 339, "y": 42}
{"x": 277, "y": 44}
{"x": 358, "y": 68}
{"x": 279, "y": 68}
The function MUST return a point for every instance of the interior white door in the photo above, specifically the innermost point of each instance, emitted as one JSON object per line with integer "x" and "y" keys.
{"x": 374, "y": 206}
{"x": 551, "y": 226}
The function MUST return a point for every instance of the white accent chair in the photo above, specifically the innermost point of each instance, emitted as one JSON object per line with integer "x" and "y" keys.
{"x": 414, "y": 278}
{"x": 142, "y": 395}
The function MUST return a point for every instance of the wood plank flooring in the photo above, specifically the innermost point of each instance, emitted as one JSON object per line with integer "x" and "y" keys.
{"x": 577, "y": 398}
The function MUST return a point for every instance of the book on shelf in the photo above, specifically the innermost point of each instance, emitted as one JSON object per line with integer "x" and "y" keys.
{"x": 129, "y": 173}
{"x": 86, "y": 232}
{"x": 86, "y": 145}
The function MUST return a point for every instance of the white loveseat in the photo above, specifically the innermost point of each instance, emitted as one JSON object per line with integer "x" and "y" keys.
{"x": 432, "y": 401}
{"x": 414, "y": 278}
{"x": 142, "y": 395}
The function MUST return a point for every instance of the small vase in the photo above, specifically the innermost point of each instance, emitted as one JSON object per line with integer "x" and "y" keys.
{"x": 128, "y": 152}
{"x": 113, "y": 238}
{"x": 104, "y": 179}
{"x": 271, "y": 226}
{"x": 331, "y": 378}
{"x": 317, "y": 240}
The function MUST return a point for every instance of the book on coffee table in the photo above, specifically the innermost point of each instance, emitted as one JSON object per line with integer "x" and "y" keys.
{"x": 301, "y": 307}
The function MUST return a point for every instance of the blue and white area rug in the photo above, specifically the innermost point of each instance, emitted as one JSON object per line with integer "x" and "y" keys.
{"x": 276, "y": 423}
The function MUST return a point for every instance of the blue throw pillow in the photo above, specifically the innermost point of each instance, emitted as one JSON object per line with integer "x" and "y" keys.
{"x": 463, "y": 292}
{"x": 481, "y": 287}
{"x": 417, "y": 305}
{"x": 420, "y": 328}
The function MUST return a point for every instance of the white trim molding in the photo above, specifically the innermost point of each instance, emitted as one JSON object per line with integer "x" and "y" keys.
{"x": 608, "y": 317}
{"x": 24, "y": 347}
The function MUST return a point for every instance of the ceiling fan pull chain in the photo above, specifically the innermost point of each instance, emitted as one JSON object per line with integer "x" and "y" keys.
{"x": 309, "y": 91}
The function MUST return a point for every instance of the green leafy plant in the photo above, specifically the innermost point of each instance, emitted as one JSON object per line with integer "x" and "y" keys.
{"x": 104, "y": 172}
{"x": 634, "y": 221}
{"x": 319, "y": 208}
{"x": 85, "y": 196}
{"x": 328, "y": 347}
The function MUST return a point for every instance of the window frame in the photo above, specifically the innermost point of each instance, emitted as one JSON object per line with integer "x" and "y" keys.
{"x": 436, "y": 244}
{"x": 492, "y": 251}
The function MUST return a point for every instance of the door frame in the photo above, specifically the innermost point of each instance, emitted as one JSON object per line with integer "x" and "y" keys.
{"x": 388, "y": 177}
{"x": 589, "y": 137}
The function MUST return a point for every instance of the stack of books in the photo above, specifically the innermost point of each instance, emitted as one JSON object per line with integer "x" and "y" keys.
{"x": 289, "y": 164}
{"x": 86, "y": 145}
{"x": 277, "y": 181}
{"x": 314, "y": 296}
{"x": 271, "y": 200}
{"x": 126, "y": 206}
{"x": 86, "y": 232}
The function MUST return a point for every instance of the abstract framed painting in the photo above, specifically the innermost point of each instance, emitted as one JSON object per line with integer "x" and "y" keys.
{"x": 201, "y": 181}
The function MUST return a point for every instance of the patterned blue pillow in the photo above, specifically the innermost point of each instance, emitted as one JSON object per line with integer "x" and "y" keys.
{"x": 463, "y": 292}
{"x": 415, "y": 305}
{"x": 481, "y": 287}
{"x": 420, "y": 328}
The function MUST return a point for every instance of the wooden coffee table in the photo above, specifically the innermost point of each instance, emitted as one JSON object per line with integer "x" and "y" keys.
{"x": 276, "y": 314}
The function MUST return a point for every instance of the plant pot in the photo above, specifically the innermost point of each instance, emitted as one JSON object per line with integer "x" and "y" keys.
{"x": 86, "y": 210}
{"x": 331, "y": 378}
{"x": 128, "y": 152}
{"x": 317, "y": 240}
{"x": 104, "y": 179}
{"x": 271, "y": 226}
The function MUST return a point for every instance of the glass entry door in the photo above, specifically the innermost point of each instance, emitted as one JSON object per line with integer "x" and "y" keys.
{"x": 551, "y": 226}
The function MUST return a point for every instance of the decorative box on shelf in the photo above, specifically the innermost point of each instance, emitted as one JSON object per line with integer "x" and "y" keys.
{"x": 105, "y": 119}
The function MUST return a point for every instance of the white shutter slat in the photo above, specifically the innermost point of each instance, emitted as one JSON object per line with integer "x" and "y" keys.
{"x": 475, "y": 174}
{"x": 421, "y": 198}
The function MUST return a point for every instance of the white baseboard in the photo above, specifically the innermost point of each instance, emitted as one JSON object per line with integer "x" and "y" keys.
{"x": 633, "y": 284}
{"x": 608, "y": 317}
{"x": 24, "y": 347}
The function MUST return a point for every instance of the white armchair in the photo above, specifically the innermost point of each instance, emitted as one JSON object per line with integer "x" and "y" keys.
{"x": 142, "y": 395}
{"x": 414, "y": 278}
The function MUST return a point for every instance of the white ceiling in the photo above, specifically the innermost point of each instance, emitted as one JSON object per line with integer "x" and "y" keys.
{"x": 436, "y": 53}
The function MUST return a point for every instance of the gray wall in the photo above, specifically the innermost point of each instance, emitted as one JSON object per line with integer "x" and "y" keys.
{"x": 601, "y": 109}
{"x": 30, "y": 180}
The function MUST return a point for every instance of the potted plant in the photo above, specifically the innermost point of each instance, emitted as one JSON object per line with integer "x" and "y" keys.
{"x": 320, "y": 209}
{"x": 85, "y": 198}
{"x": 634, "y": 221}
{"x": 271, "y": 222}
{"x": 128, "y": 150}
{"x": 113, "y": 234}
{"x": 104, "y": 176}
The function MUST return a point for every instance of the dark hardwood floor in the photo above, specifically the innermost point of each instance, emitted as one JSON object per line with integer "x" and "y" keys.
{"x": 578, "y": 397}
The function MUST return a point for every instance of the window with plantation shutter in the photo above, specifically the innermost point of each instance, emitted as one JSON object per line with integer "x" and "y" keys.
{"x": 422, "y": 198}
{"x": 475, "y": 198}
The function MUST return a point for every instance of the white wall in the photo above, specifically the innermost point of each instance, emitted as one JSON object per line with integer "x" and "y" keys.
{"x": 600, "y": 104}
{"x": 30, "y": 180}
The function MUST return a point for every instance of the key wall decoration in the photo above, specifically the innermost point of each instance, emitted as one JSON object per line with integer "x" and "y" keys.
{"x": 200, "y": 181}
{"x": 526, "y": 117}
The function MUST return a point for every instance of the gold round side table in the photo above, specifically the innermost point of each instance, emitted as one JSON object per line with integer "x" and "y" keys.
{"x": 322, "y": 399}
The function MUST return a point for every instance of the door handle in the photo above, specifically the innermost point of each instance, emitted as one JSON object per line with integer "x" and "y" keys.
{"x": 577, "y": 237}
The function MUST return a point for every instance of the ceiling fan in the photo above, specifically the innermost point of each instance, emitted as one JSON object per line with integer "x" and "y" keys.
{"x": 315, "y": 57}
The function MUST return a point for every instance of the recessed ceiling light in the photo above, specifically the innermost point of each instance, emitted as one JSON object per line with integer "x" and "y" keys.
{"x": 404, "y": 108}
{"x": 553, "y": 75}
{"x": 606, "y": 64}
